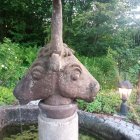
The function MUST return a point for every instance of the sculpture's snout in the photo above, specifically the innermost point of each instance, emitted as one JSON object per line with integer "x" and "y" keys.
{"x": 21, "y": 91}
{"x": 94, "y": 87}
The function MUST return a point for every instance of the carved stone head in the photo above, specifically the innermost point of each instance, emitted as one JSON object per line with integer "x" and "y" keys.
{"x": 56, "y": 76}
{"x": 56, "y": 79}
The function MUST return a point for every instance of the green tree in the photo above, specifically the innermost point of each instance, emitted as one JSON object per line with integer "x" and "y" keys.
{"x": 23, "y": 21}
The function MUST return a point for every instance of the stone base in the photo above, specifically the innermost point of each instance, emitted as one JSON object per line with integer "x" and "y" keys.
{"x": 57, "y": 112}
{"x": 58, "y": 129}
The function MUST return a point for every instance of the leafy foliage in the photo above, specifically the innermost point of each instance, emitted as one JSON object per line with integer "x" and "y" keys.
{"x": 106, "y": 102}
{"x": 14, "y": 61}
{"x": 10, "y": 62}
{"x": 6, "y": 96}
{"x": 134, "y": 109}
{"x": 23, "y": 21}
{"x": 103, "y": 68}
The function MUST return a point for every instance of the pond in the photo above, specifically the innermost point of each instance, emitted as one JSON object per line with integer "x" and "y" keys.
{"x": 31, "y": 133}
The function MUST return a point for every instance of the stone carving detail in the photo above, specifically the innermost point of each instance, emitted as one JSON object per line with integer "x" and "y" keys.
{"x": 56, "y": 76}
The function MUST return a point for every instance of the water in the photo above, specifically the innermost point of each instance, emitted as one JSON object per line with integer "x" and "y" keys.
{"x": 31, "y": 133}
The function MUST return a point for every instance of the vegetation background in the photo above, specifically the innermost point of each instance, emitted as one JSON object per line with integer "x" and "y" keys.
{"x": 103, "y": 33}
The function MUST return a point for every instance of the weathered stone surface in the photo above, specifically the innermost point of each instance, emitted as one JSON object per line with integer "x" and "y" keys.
{"x": 110, "y": 128}
{"x": 56, "y": 75}
{"x": 16, "y": 114}
{"x": 57, "y": 112}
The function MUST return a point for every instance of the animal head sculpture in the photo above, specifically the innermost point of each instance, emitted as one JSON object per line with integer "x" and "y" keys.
{"x": 56, "y": 76}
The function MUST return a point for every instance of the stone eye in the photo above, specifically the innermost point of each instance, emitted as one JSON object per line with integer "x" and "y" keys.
{"x": 37, "y": 72}
{"x": 36, "y": 75}
{"x": 75, "y": 75}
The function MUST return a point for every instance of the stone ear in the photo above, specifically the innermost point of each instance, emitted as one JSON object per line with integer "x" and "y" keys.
{"x": 55, "y": 62}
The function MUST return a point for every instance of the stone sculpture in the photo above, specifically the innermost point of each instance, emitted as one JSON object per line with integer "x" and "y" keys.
{"x": 56, "y": 76}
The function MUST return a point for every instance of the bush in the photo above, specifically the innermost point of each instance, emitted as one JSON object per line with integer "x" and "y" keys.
{"x": 14, "y": 61}
{"x": 106, "y": 102}
{"x": 6, "y": 96}
{"x": 28, "y": 55}
{"x": 103, "y": 68}
{"x": 10, "y": 62}
{"x": 134, "y": 109}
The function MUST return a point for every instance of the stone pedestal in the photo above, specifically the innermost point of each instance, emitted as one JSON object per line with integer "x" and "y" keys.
{"x": 58, "y": 122}
{"x": 124, "y": 108}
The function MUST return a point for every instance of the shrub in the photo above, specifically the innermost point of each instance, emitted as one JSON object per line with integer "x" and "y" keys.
{"x": 105, "y": 102}
{"x": 10, "y": 62}
{"x": 6, "y": 96}
{"x": 28, "y": 55}
{"x": 103, "y": 69}
{"x": 134, "y": 109}
{"x": 14, "y": 61}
